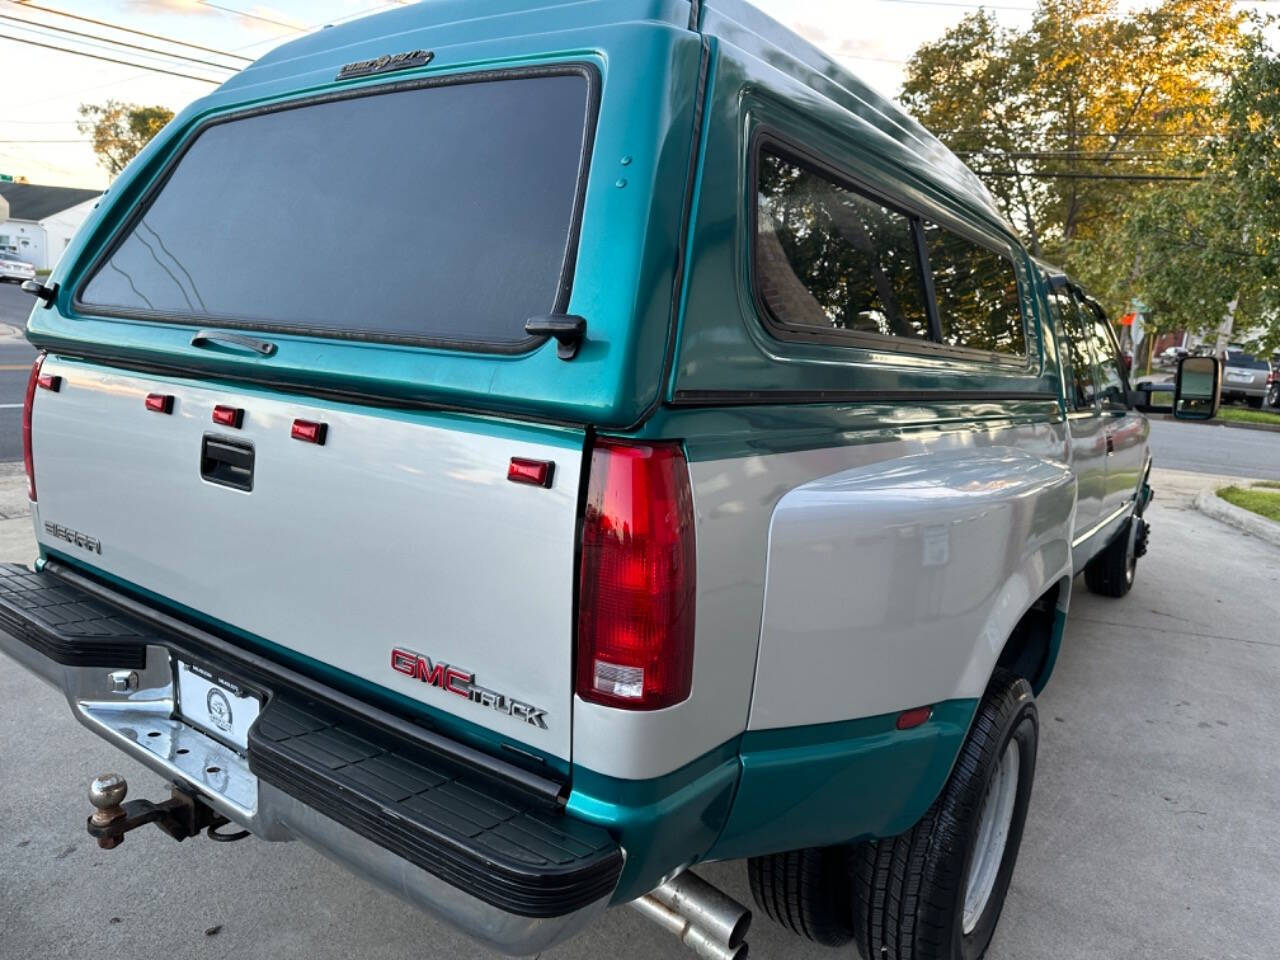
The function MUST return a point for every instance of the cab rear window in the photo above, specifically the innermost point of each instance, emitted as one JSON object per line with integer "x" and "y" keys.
{"x": 1238, "y": 358}
{"x": 444, "y": 213}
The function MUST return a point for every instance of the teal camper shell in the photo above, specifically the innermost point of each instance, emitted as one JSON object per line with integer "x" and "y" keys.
{"x": 681, "y": 101}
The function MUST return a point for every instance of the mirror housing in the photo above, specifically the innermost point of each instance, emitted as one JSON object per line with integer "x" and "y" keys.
{"x": 1197, "y": 389}
{"x": 1152, "y": 397}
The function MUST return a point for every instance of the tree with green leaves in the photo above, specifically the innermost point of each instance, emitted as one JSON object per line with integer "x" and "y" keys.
{"x": 1214, "y": 246}
{"x": 1136, "y": 149}
{"x": 119, "y": 130}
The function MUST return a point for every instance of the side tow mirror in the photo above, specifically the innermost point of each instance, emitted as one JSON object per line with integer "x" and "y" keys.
{"x": 1197, "y": 389}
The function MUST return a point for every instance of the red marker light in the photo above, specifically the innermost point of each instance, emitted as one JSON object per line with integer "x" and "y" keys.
{"x": 228, "y": 416}
{"x": 913, "y": 718}
{"x": 47, "y": 381}
{"x": 160, "y": 402}
{"x": 536, "y": 473}
{"x": 309, "y": 432}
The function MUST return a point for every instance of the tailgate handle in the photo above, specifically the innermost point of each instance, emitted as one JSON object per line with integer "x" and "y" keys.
{"x": 227, "y": 462}
{"x": 264, "y": 348}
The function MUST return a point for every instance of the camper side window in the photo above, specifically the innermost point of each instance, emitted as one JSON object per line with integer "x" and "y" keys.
{"x": 830, "y": 258}
{"x": 977, "y": 294}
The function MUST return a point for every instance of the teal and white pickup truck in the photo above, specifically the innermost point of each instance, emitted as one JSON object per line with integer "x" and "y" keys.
{"x": 526, "y": 449}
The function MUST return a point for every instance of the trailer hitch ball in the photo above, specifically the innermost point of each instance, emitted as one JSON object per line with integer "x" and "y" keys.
{"x": 107, "y": 793}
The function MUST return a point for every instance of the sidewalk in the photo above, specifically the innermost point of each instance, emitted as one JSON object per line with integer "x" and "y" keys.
{"x": 17, "y": 540}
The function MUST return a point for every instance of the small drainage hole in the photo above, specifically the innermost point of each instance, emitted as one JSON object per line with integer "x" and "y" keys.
{"x": 182, "y": 750}
{"x": 212, "y": 769}
{"x": 154, "y": 733}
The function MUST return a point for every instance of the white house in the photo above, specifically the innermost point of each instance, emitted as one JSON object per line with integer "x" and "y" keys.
{"x": 40, "y": 220}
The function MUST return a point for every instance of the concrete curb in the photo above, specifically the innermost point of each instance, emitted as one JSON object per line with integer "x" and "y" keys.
{"x": 1265, "y": 427}
{"x": 1212, "y": 505}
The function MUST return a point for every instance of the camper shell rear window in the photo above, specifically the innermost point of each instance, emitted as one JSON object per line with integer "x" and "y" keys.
{"x": 439, "y": 213}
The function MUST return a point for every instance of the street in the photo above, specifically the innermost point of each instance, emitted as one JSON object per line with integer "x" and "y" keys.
{"x": 1152, "y": 830}
{"x": 15, "y": 364}
{"x": 1212, "y": 448}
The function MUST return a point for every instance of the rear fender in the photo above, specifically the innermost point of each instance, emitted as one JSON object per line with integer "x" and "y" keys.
{"x": 897, "y": 584}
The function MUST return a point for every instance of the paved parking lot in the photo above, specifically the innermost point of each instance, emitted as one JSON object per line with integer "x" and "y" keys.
{"x": 1152, "y": 834}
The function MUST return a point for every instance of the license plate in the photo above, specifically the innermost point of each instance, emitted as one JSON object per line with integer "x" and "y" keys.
{"x": 216, "y": 705}
{"x": 1239, "y": 377}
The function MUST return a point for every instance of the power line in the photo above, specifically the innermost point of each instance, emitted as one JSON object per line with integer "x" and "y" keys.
{"x": 1083, "y": 155}
{"x": 70, "y": 94}
{"x": 44, "y": 32}
{"x": 23, "y": 4}
{"x": 960, "y": 3}
{"x": 118, "y": 43}
{"x": 95, "y": 56}
{"x": 1186, "y": 134}
{"x": 1065, "y": 175}
{"x": 252, "y": 16}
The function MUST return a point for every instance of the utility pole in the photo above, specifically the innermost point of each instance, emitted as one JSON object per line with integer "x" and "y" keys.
{"x": 1227, "y": 326}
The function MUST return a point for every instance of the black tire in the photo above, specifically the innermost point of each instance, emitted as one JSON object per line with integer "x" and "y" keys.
{"x": 909, "y": 891}
{"x": 1255, "y": 402}
{"x": 1111, "y": 573}
{"x": 806, "y": 891}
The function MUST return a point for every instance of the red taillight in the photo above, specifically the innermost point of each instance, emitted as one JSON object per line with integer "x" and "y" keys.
{"x": 636, "y": 603}
{"x": 160, "y": 402}
{"x": 27, "y": 462}
{"x": 228, "y": 416}
{"x": 309, "y": 432}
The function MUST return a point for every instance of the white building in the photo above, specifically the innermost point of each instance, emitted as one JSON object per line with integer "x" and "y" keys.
{"x": 37, "y": 222}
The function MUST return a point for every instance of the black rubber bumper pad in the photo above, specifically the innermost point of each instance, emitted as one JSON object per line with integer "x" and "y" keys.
{"x": 454, "y": 823}
{"x": 67, "y": 625}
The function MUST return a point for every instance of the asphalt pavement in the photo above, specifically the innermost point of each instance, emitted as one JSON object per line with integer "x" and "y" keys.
{"x": 1214, "y": 448}
{"x": 1152, "y": 830}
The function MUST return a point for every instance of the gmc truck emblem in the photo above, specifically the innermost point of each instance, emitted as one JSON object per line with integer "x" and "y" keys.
{"x": 463, "y": 683}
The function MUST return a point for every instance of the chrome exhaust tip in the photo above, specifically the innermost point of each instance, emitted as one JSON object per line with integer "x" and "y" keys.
{"x": 705, "y": 919}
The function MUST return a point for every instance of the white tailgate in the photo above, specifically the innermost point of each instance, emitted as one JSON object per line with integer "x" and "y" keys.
{"x": 402, "y": 530}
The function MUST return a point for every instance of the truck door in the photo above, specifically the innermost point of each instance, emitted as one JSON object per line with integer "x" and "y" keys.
{"x": 1126, "y": 428}
{"x": 1084, "y": 418}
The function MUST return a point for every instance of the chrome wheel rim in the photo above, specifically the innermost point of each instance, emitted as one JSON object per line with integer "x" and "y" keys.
{"x": 993, "y": 836}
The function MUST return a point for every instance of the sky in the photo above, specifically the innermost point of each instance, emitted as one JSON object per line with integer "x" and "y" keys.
{"x": 41, "y": 89}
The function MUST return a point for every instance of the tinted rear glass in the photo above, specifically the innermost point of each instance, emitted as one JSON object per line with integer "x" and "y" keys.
{"x": 439, "y": 213}
{"x": 1238, "y": 358}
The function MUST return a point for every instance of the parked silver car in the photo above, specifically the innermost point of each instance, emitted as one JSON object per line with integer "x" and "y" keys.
{"x": 11, "y": 268}
{"x": 1245, "y": 377}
